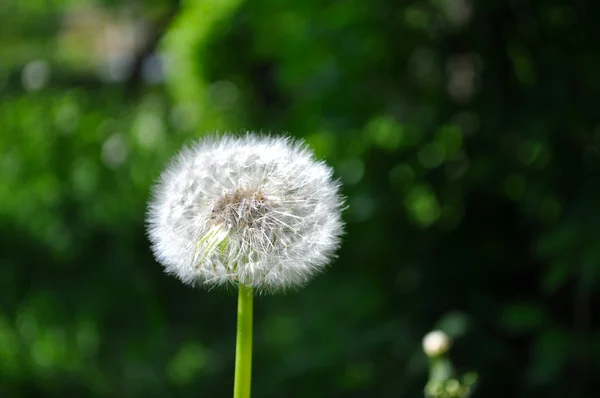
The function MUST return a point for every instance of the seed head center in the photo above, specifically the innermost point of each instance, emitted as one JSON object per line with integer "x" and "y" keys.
{"x": 240, "y": 209}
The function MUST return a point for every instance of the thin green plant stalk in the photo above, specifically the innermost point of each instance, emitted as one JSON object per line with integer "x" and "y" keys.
{"x": 243, "y": 348}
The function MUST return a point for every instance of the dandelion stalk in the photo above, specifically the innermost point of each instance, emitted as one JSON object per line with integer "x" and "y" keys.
{"x": 243, "y": 349}
{"x": 259, "y": 212}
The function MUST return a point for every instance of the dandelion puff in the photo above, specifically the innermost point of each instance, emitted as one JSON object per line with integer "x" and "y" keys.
{"x": 436, "y": 343}
{"x": 254, "y": 210}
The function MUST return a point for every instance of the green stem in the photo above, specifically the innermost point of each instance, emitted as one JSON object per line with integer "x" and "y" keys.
{"x": 243, "y": 348}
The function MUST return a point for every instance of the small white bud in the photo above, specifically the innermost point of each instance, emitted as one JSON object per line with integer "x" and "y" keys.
{"x": 256, "y": 210}
{"x": 436, "y": 343}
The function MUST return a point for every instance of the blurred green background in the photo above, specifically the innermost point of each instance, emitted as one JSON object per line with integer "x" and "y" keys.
{"x": 467, "y": 136}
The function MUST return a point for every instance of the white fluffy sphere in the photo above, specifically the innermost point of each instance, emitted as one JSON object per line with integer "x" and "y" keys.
{"x": 436, "y": 343}
{"x": 256, "y": 210}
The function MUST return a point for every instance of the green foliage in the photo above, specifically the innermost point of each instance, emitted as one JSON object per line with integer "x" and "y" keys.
{"x": 465, "y": 133}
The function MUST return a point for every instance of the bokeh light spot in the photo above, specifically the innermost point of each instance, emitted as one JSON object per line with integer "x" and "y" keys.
{"x": 514, "y": 186}
{"x": 149, "y": 129}
{"x": 223, "y": 94}
{"x": 35, "y": 75}
{"x": 362, "y": 207}
{"x": 431, "y": 155}
{"x": 352, "y": 170}
{"x": 423, "y": 205}
{"x": 114, "y": 151}
{"x": 188, "y": 362}
{"x": 385, "y": 133}
{"x": 550, "y": 209}
{"x": 402, "y": 176}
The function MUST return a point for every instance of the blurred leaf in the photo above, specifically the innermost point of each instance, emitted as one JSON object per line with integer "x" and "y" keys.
{"x": 522, "y": 317}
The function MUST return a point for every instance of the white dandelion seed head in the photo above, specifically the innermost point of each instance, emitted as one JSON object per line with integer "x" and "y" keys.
{"x": 436, "y": 343}
{"x": 254, "y": 210}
